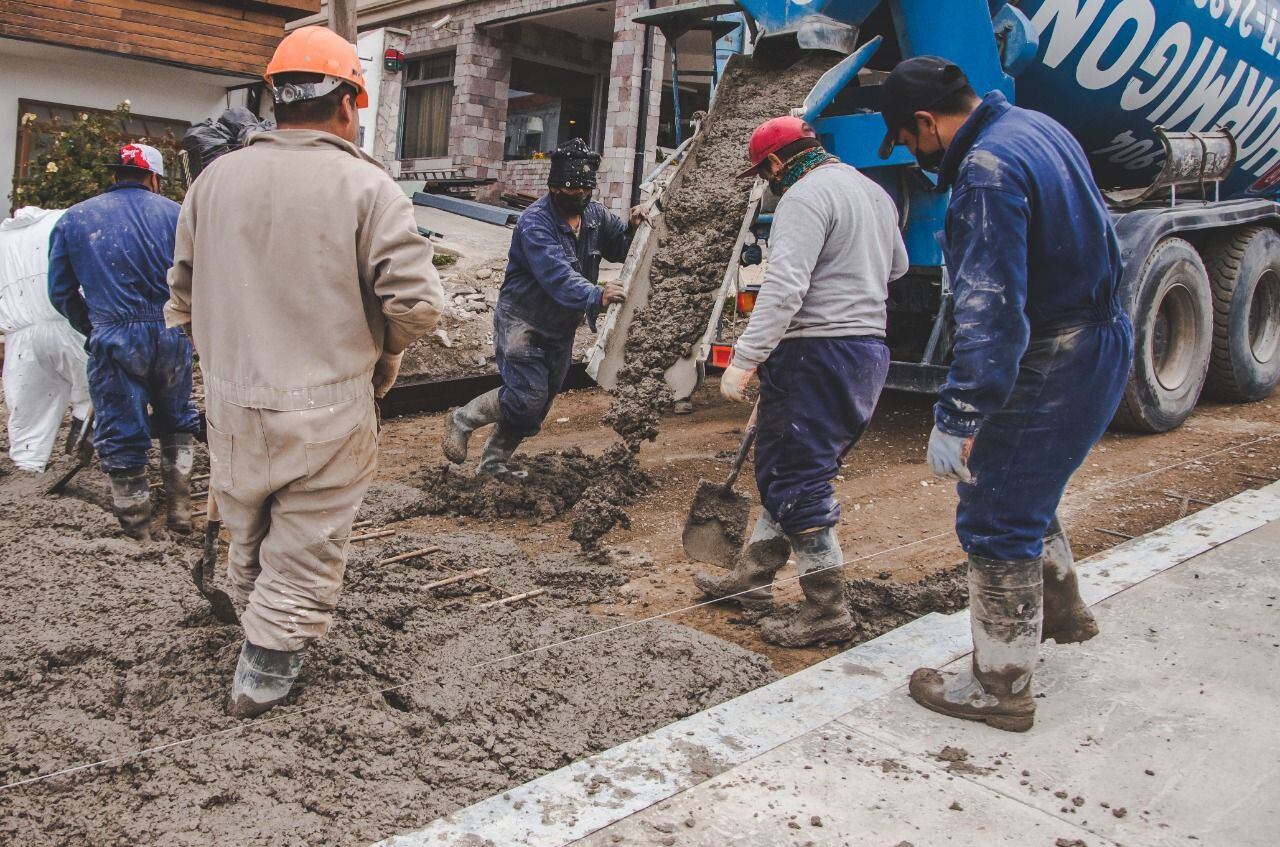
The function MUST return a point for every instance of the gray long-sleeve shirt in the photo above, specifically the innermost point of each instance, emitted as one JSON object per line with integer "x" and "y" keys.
{"x": 833, "y": 249}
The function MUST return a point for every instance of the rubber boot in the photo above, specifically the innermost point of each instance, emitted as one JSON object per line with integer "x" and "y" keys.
{"x": 177, "y": 455}
{"x": 1067, "y": 620}
{"x": 823, "y": 617}
{"x": 262, "y": 680}
{"x": 1005, "y": 610}
{"x": 497, "y": 452}
{"x": 466, "y": 420}
{"x": 131, "y": 500}
{"x": 749, "y": 580}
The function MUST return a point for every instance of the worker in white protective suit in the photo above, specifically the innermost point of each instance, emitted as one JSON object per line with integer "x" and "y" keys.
{"x": 44, "y": 359}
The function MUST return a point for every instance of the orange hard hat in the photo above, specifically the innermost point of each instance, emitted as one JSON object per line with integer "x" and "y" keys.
{"x": 316, "y": 50}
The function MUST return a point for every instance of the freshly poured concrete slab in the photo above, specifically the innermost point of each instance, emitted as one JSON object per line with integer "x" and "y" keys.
{"x": 585, "y": 796}
{"x": 1170, "y": 715}
{"x": 835, "y": 786}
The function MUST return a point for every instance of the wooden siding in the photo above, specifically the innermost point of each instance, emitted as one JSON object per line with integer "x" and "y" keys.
{"x": 229, "y": 37}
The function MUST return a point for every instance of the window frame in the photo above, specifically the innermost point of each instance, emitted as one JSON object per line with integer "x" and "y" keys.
{"x": 407, "y": 84}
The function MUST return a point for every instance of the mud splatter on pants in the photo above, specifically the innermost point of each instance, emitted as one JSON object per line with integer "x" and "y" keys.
{"x": 1068, "y": 387}
{"x": 816, "y": 399}
{"x": 533, "y": 363}
{"x": 135, "y": 366}
{"x": 288, "y": 485}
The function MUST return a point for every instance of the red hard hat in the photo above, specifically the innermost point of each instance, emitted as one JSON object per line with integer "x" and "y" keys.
{"x": 771, "y": 136}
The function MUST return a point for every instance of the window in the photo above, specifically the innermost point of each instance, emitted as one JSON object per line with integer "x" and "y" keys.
{"x": 36, "y": 133}
{"x": 428, "y": 101}
{"x": 546, "y": 106}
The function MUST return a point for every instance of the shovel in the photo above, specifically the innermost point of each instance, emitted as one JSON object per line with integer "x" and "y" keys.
{"x": 82, "y": 449}
{"x": 202, "y": 573}
{"x": 717, "y": 522}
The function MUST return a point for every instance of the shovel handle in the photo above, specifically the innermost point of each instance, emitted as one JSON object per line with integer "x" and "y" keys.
{"x": 748, "y": 438}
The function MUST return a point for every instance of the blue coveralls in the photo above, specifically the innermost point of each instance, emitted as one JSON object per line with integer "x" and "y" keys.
{"x": 817, "y": 396}
{"x": 109, "y": 257}
{"x": 549, "y": 286}
{"x": 1042, "y": 345}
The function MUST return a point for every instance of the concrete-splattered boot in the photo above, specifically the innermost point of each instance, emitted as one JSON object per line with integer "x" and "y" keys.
{"x": 1067, "y": 620}
{"x": 262, "y": 680}
{"x": 467, "y": 419}
{"x": 765, "y": 554}
{"x": 131, "y": 501}
{"x": 177, "y": 455}
{"x": 497, "y": 452}
{"x": 1005, "y": 605}
{"x": 823, "y": 617}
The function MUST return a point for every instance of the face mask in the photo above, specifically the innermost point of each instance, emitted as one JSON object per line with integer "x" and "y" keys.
{"x": 932, "y": 162}
{"x": 571, "y": 204}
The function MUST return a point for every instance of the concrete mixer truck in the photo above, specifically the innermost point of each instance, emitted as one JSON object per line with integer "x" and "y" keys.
{"x": 1176, "y": 102}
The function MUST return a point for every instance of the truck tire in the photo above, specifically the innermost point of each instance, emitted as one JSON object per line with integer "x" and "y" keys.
{"x": 1244, "y": 273}
{"x": 1172, "y": 335}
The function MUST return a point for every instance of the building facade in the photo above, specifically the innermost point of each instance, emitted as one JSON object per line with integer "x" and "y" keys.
{"x": 176, "y": 61}
{"x": 489, "y": 88}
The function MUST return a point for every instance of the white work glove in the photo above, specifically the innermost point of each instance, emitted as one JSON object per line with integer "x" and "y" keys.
{"x": 385, "y": 373}
{"x": 733, "y": 382}
{"x": 949, "y": 455}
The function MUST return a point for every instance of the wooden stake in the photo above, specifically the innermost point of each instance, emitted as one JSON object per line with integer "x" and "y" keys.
{"x": 383, "y": 533}
{"x": 361, "y": 524}
{"x": 441, "y": 583}
{"x": 513, "y": 599}
{"x": 412, "y": 554}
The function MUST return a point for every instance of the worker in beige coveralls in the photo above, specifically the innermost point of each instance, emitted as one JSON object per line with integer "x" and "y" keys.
{"x": 301, "y": 273}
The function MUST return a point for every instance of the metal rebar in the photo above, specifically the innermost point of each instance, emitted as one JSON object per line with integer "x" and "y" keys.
{"x": 1126, "y": 536}
{"x": 382, "y": 533}
{"x": 412, "y": 554}
{"x": 513, "y": 598}
{"x": 450, "y": 580}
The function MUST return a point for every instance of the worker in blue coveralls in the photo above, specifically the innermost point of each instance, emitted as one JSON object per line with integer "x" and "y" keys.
{"x": 551, "y": 283}
{"x": 1041, "y": 353}
{"x": 816, "y": 340}
{"x": 108, "y": 261}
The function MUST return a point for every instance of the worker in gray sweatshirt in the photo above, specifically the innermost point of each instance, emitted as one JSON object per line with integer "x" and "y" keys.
{"x": 816, "y": 341}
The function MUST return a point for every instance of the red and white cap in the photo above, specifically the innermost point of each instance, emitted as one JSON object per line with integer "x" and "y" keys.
{"x": 142, "y": 157}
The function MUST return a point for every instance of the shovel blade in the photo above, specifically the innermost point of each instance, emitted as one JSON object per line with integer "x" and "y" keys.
{"x": 716, "y": 527}
{"x": 202, "y": 575}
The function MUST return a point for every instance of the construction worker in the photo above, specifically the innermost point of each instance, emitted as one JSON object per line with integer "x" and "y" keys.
{"x": 302, "y": 277}
{"x": 44, "y": 362}
{"x": 108, "y": 257}
{"x": 1040, "y": 358}
{"x": 816, "y": 339}
{"x": 551, "y": 283}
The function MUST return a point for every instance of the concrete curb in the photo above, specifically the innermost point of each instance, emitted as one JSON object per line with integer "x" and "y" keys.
{"x": 578, "y": 799}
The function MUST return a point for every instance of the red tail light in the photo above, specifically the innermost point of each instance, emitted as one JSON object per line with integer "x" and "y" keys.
{"x": 721, "y": 355}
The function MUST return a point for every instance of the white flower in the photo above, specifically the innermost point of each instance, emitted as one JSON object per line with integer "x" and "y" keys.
{"x": 28, "y": 118}
{"x": 51, "y": 168}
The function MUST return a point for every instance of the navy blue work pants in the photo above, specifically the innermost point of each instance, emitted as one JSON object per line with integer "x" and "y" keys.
{"x": 816, "y": 399}
{"x": 1068, "y": 387}
{"x": 533, "y": 364}
{"x": 140, "y": 384}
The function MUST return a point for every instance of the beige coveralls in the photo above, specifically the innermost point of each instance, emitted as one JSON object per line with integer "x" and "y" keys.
{"x": 297, "y": 263}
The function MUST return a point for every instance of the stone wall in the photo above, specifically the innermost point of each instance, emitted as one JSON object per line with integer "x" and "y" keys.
{"x": 528, "y": 176}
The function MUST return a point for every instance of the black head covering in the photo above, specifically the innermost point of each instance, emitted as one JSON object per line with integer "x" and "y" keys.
{"x": 574, "y": 165}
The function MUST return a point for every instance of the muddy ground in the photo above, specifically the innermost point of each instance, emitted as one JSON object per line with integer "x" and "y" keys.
{"x": 106, "y": 649}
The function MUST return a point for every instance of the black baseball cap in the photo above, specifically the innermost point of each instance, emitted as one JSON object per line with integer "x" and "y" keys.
{"x": 915, "y": 85}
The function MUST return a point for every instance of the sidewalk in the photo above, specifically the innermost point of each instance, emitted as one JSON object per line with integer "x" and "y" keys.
{"x": 1161, "y": 731}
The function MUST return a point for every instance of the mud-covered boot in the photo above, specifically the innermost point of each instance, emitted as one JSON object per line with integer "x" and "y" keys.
{"x": 1005, "y": 605}
{"x": 467, "y": 419}
{"x": 497, "y": 452}
{"x": 749, "y": 580}
{"x": 823, "y": 617}
{"x": 177, "y": 455}
{"x": 131, "y": 500}
{"x": 1067, "y": 620}
{"x": 262, "y": 680}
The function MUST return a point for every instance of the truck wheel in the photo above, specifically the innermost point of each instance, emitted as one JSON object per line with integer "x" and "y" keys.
{"x": 1244, "y": 271}
{"x": 1172, "y": 334}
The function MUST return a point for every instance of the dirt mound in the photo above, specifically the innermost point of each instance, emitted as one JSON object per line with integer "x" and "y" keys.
{"x": 702, "y": 217}
{"x": 106, "y": 648}
{"x": 878, "y": 606}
